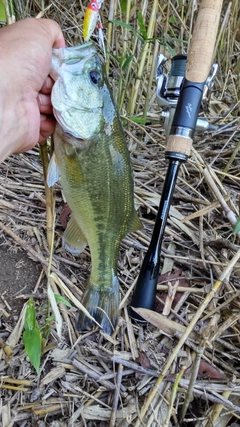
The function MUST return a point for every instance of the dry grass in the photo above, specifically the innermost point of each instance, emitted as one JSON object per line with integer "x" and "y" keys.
{"x": 181, "y": 374}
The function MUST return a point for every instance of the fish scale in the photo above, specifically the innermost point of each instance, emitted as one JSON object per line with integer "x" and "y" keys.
{"x": 101, "y": 219}
{"x": 96, "y": 177}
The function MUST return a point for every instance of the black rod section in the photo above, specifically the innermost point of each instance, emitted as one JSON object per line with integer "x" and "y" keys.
{"x": 146, "y": 287}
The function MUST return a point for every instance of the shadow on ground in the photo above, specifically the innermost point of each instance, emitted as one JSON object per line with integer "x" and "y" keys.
{"x": 18, "y": 276}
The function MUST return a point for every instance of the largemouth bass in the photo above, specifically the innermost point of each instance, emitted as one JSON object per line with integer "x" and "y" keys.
{"x": 92, "y": 158}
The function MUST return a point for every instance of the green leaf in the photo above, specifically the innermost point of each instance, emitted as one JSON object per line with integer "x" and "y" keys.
{"x": 139, "y": 120}
{"x": 127, "y": 61}
{"x": 30, "y": 316}
{"x": 237, "y": 226}
{"x": 46, "y": 328}
{"x": 129, "y": 27}
{"x": 171, "y": 50}
{"x": 122, "y": 24}
{"x": 3, "y": 17}
{"x": 62, "y": 300}
{"x": 49, "y": 319}
{"x": 123, "y": 6}
{"x": 142, "y": 25}
{"x": 33, "y": 346}
{"x": 119, "y": 60}
{"x": 172, "y": 19}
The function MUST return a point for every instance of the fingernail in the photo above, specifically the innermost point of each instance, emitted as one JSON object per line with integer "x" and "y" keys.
{"x": 49, "y": 82}
{"x": 43, "y": 117}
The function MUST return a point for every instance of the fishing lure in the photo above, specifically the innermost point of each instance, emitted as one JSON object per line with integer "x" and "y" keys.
{"x": 101, "y": 36}
{"x": 91, "y": 18}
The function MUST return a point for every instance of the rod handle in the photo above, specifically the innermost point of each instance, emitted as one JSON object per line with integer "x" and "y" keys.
{"x": 179, "y": 144}
{"x": 200, "y": 55}
{"x": 199, "y": 62}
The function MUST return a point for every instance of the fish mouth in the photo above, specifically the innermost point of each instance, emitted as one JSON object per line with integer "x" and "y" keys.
{"x": 68, "y": 134}
{"x": 72, "y": 55}
{"x": 75, "y": 53}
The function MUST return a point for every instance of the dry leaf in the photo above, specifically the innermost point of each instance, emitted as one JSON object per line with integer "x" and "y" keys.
{"x": 172, "y": 289}
{"x": 143, "y": 360}
{"x": 53, "y": 375}
{"x": 166, "y": 325}
{"x": 207, "y": 371}
{"x": 172, "y": 278}
{"x": 64, "y": 214}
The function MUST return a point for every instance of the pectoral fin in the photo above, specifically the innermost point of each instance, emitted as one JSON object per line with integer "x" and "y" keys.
{"x": 74, "y": 240}
{"x": 135, "y": 224}
{"x": 53, "y": 172}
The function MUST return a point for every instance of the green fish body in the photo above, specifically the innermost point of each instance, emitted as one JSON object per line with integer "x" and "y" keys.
{"x": 93, "y": 161}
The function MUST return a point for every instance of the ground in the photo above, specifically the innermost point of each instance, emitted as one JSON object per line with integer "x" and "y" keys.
{"x": 18, "y": 278}
{"x": 184, "y": 362}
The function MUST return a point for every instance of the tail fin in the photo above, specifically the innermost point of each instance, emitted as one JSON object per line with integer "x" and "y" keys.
{"x": 102, "y": 304}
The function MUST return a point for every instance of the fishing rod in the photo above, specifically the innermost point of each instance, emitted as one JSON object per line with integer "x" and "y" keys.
{"x": 179, "y": 141}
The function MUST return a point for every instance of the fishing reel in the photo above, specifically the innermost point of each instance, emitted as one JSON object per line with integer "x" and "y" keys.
{"x": 169, "y": 86}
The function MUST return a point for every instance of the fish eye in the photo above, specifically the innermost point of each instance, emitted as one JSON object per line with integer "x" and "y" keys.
{"x": 95, "y": 77}
{"x": 94, "y": 6}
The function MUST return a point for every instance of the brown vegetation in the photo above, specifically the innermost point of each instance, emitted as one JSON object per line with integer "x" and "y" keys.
{"x": 96, "y": 380}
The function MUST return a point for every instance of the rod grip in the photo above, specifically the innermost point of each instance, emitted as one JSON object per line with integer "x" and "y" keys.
{"x": 201, "y": 48}
{"x": 199, "y": 62}
{"x": 178, "y": 144}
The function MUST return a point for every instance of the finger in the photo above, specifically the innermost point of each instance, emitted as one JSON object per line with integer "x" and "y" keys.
{"x": 55, "y": 32}
{"x": 47, "y": 85}
{"x": 47, "y": 126}
{"x": 44, "y": 104}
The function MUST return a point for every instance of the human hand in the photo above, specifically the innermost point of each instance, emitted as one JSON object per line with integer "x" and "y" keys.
{"x": 25, "y": 62}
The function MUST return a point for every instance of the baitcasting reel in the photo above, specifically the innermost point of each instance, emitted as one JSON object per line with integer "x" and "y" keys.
{"x": 168, "y": 90}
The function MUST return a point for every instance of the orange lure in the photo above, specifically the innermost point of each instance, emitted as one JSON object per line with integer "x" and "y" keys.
{"x": 90, "y": 19}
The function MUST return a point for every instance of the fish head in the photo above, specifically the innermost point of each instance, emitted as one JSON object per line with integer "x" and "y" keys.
{"x": 81, "y": 100}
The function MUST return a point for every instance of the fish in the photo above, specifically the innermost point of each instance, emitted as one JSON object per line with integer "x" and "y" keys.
{"x": 92, "y": 158}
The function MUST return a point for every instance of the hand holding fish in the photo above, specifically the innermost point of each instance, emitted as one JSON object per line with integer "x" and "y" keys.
{"x": 25, "y": 62}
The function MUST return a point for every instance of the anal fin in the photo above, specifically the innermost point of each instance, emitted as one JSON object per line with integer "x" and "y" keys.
{"x": 135, "y": 224}
{"x": 74, "y": 240}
